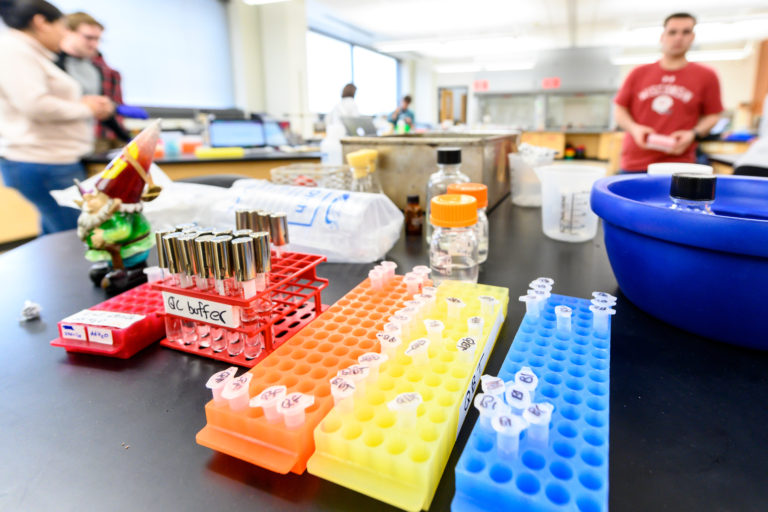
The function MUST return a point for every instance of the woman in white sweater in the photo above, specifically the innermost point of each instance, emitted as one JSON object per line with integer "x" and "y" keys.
{"x": 45, "y": 121}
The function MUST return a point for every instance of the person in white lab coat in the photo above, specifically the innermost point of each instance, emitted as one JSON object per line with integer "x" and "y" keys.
{"x": 345, "y": 108}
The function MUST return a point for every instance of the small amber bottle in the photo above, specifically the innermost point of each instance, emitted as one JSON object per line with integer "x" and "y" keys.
{"x": 414, "y": 216}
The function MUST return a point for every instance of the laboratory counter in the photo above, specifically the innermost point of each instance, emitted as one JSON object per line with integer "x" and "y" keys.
{"x": 81, "y": 432}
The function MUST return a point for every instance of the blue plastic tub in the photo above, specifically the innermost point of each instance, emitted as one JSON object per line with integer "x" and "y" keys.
{"x": 707, "y": 274}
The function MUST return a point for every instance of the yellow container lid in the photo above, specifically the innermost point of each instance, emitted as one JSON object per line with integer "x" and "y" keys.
{"x": 359, "y": 162}
{"x": 372, "y": 155}
{"x": 476, "y": 190}
{"x": 453, "y": 211}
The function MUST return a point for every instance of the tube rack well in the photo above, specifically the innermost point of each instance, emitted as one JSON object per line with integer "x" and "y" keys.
{"x": 366, "y": 447}
{"x": 572, "y": 472}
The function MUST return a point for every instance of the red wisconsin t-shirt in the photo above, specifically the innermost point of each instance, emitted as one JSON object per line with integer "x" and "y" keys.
{"x": 666, "y": 101}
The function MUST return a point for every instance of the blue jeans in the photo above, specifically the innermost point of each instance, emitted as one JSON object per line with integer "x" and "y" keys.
{"x": 35, "y": 181}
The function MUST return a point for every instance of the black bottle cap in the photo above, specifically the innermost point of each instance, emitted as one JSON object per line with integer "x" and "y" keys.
{"x": 412, "y": 199}
{"x": 449, "y": 155}
{"x": 693, "y": 187}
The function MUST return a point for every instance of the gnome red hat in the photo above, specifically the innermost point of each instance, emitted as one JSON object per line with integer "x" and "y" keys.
{"x": 125, "y": 176}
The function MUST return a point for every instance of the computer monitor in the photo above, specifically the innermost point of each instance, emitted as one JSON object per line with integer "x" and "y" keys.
{"x": 236, "y": 133}
{"x": 274, "y": 134}
{"x": 360, "y": 126}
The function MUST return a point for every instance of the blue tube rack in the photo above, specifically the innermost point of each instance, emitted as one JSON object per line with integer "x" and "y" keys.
{"x": 572, "y": 472}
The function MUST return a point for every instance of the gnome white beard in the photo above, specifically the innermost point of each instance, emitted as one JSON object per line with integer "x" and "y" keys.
{"x": 87, "y": 222}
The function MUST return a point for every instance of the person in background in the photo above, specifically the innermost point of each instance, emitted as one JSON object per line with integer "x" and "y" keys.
{"x": 402, "y": 113}
{"x": 46, "y": 122}
{"x": 80, "y": 57}
{"x": 671, "y": 97}
{"x": 345, "y": 108}
{"x": 754, "y": 162}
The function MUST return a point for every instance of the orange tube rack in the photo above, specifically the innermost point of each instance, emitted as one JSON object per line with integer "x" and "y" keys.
{"x": 295, "y": 292}
{"x": 303, "y": 364}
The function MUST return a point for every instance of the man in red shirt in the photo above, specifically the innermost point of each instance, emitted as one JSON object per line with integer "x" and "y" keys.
{"x": 670, "y": 97}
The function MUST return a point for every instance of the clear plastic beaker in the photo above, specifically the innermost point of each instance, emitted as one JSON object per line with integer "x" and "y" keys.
{"x": 565, "y": 190}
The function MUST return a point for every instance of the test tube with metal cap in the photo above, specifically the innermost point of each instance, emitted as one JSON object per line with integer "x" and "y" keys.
{"x": 261, "y": 219}
{"x": 601, "y": 319}
{"x": 292, "y": 408}
{"x": 189, "y": 328}
{"x": 195, "y": 267}
{"x": 242, "y": 218}
{"x": 185, "y": 225}
{"x": 172, "y": 257}
{"x": 343, "y": 392}
{"x": 204, "y": 250}
{"x": 538, "y": 417}
{"x": 508, "y": 428}
{"x": 466, "y": 347}
{"x": 263, "y": 259}
{"x": 268, "y": 400}
{"x": 563, "y": 315}
{"x": 222, "y": 232}
{"x": 278, "y": 228}
{"x": 222, "y": 265}
{"x": 218, "y": 380}
{"x": 238, "y": 233}
{"x": 244, "y": 258}
{"x": 182, "y": 259}
{"x": 162, "y": 259}
{"x": 418, "y": 351}
{"x": 406, "y": 406}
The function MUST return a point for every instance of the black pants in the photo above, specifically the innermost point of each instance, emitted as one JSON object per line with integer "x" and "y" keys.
{"x": 751, "y": 170}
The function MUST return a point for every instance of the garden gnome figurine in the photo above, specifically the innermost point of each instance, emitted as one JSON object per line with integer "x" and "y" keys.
{"x": 111, "y": 224}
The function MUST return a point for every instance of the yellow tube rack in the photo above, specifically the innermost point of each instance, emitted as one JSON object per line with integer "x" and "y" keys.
{"x": 364, "y": 448}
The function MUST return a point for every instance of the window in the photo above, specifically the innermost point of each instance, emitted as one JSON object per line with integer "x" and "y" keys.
{"x": 375, "y": 76}
{"x": 332, "y": 63}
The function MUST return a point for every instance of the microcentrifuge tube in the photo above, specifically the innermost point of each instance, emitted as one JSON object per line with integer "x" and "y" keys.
{"x": 508, "y": 428}
{"x": 563, "y": 315}
{"x": 236, "y": 392}
{"x": 412, "y": 283}
{"x": 600, "y": 319}
{"x": 475, "y": 327}
{"x": 423, "y": 271}
{"x": 545, "y": 280}
{"x": 268, "y": 400}
{"x": 487, "y": 304}
{"x": 404, "y": 321}
{"x": 543, "y": 296}
{"x": 599, "y": 301}
{"x": 217, "y": 382}
{"x": 292, "y": 408}
{"x": 343, "y": 392}
{"x": 492, "y": 385}
{"x": 532, "y": 309}
{"x": 418, "y": 351}
{"x": 605, "y": 296}
{"x": 466, "y": 348}
{"x": 540, "y": 287}
{"x": 518, "y": 398}
{"x": 429, "y": 290}
{"x": 373, "y": 360}
{"x": 538, "y": 416}
{"x": 526, "y": 379}
{"x": 434, "y": 331}
{"x": 389, "y": 268}
{"x": 489, "y": 406}
{"x": 454, "y": 307}
{"x": 357, "y": 373}
{"x": 405, "y": 406}
{"x": 376, "y": 277}
{"x": 393, "y": 329}
{"x": 388, "y": 343}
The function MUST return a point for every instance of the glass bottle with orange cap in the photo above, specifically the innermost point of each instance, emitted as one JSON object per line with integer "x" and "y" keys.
{"x": 454, "y": 245}
{"x": 479, "y": 192}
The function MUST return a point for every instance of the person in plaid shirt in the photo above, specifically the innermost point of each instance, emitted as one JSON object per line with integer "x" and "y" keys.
{"x": 80, "y": 57}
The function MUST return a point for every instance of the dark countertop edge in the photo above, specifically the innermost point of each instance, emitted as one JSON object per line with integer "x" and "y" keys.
{"x": 102, "y": 158}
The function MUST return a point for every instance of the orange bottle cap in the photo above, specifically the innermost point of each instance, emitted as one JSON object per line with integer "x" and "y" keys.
{"x": 476, "y": 190}
{"x": 453, "y": 211}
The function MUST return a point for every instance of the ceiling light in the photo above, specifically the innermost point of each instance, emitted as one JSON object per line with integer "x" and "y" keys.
{"x": 693, "y": 56}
